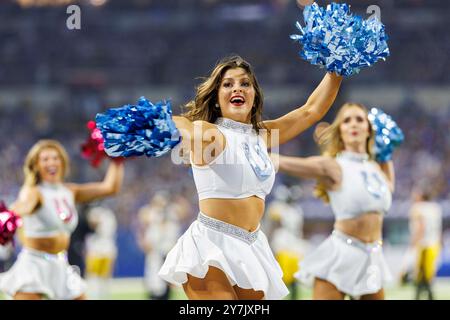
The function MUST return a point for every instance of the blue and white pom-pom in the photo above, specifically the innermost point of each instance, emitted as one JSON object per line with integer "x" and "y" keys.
{"x": 388, "y": 134}
{"x": 335, "y": 39}
{"x": 142, "y": 129}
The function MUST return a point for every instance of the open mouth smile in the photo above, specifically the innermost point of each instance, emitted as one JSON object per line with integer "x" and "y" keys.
{"x": 237, "y": 100}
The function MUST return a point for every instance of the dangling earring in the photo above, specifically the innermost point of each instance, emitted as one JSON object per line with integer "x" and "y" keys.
{"x": 217, "y": 106}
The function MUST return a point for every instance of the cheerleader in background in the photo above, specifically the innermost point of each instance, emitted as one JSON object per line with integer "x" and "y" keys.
{"x": 101, "y": 251}
{"x": 76, "y": 253}
{"x": 6, "y": 257}
{"x": 426, "y": 238}
{"x": 350, "y": 261}
{"x": 47, "y": 207}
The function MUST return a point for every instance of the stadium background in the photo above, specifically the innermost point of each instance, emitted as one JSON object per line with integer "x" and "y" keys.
{"x": 53, "y": 80}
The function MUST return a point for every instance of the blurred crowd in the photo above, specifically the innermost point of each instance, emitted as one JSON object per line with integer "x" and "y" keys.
{"x": 165, "y": 42}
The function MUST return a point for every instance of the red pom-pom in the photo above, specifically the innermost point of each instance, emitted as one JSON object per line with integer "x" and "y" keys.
{"x": 93, "y": 149}
{"x": 91, "y": 125}
{"x": 9, "y": 222}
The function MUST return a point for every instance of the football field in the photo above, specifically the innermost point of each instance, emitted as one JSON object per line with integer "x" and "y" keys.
{"x": 132, "y": 288}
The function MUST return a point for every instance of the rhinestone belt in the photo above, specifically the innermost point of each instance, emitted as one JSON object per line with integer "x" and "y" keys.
{"x": 368, "y": 247}
{"x": 229, "y": 229}
{"x": 47, "y": 256}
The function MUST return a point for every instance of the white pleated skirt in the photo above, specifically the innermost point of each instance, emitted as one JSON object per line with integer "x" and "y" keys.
{"x": 43, "y": 273}
{"x": 354, "y": 267}
{"x": 245, "y": 257}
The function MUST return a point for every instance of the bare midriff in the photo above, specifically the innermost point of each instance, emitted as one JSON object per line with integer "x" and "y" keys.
{"x": 367, "y": 227}
{"x": 52, "y": 245}
{"x": 245, "y": 213}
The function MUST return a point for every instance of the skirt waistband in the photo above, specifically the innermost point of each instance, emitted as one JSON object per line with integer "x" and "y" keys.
{"x": 368, "y": 247}
{"x": 45, "y": 255}
{"x": 227, "y": 228}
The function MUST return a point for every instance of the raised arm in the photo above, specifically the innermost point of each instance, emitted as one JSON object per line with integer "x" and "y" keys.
{"x": 28, "y": 201}
{"x": 317, "y": 167}
{"x": 317, "y": 105}
{"x": 109, "y": 186}
{"x": 389, "y": 172}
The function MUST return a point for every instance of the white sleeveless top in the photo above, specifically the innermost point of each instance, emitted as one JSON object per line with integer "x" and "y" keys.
{"x": 431, "y": 214}
{"x": 243, "y": 169}
{"x": 364, "y": 187}
{"x": 57, "y": 213}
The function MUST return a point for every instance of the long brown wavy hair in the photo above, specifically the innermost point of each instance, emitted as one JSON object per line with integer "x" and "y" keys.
{"x": 30, "y": 168}
{"x": 330, "y": 143}
{"x": 203, "y": 105}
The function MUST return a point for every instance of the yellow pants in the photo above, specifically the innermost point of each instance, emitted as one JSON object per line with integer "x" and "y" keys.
{"x": 288, "y": 262}
{"x": 99, "y": 266}
{"x": 427, "y": 262}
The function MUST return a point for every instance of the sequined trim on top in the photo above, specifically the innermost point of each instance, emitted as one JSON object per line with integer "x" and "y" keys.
{"x": 234, "y": 125}
{"x": 353, "y": 156}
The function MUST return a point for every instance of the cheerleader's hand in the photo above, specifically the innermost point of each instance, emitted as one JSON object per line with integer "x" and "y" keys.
{"x": 9, "y": 222}
{"x": 142, "y": 129}
{"x": 388, "y": 134}
{"x": 336, "y": 40}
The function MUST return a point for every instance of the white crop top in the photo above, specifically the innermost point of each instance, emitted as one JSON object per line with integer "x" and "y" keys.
{"x": 56, "y": 214}
{"x": 364, "y": 188}
{"x": 243, "y": 169}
